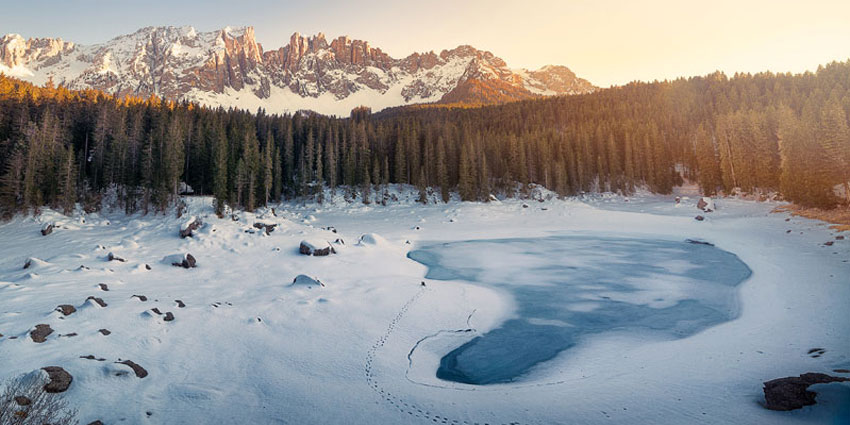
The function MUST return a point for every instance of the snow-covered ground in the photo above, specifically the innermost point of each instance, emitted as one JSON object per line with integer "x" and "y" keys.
{"x": 247, "y": 346}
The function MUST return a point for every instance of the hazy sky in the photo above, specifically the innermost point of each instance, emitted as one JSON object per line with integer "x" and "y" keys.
{"x": 605, "y": 41}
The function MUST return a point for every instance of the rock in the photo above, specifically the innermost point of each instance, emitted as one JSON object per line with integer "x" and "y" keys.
{"x": 267, "y": 227}
{"x": 187, "y": 261}
{"x": 97, "y": 422}
{"x": 168, "y": 316}
{"x": 60, "y": 379}
{"x": 113, "y": 257}
{"x": 141, "y": 298}
{"x": 103, "y": 287}
{"x": 828, "y": 243}
{"x": 40, "y": 333}
{"x": 192, "y": 224}
{"x": 706, "y": 204}
{"x": 33, "y": 262}
{"x": 180, "y": 304}
{"x": 839, "y": 238}
{"x": 791, "y": 393}
{"x": 699, "y": 218}
{"x": 316, "y": 247}
{"x": 22, "y": 401}
{"x": 105, "y": 332}
{"x": 308, "y": 281}
{"x": 697, "y": 242}
{"x": 138, "y": 370}
{"x": 66, "y": 309}
{"x": 372, "y": 239}
{"x": 147, "y": 266}
{"x": 525, "y": 205}
{"x": 98, "y": 301}
{"x": 47, "y": 229}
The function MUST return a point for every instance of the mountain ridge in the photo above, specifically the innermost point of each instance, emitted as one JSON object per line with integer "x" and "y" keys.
{"x": 228, "y": 67}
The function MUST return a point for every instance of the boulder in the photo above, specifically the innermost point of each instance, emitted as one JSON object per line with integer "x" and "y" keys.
{"x": 699, "y": 218}
{"x": 373, "y": 239}
{"x": 60, "y": 379}
{"x": 192, "y": 224}
{"x": 706, "y": 204}
{"x": 267, "y": 227}
{"x": 40, "y": 333}
{"x": 792, "y": 392}
{"x": 138, "y": 370}
{"x": 22, "y": 400}
{"x": 316, "y": 247}
{"x": 304, "y": 280}
{"x": 96, "y": 300}
{"x": 187, "y": 261}
{"x": 47, "y": 229}
{"x": 113, "y": 257}
{"x": 66, "y": 309}
{"x": 33, "y": 262}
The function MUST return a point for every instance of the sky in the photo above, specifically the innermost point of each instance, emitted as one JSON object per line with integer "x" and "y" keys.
{"x": 608, "y": 42}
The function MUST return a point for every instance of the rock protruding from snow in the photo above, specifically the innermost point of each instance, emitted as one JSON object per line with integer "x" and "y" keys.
{"x": 316, "y": 247}
{"x": 40, "y": 333}
{"x": 304, "y": 280}
{"x": 138, "y": 370}
{"x": 792, "y": 392}
{"x": 66, "y": 309}
{"x": 372, "y": 239}
{"x": 33, "y": 262}
{"x": 113, "y": 257}
{"x": 186, "y": 260}
{"x": 47, "y": 228}
{"x": 60, "y": 379}
{"x": 706, "y": 204}
{"x": 267, "y": 227}
{"x": 192, "y": 224}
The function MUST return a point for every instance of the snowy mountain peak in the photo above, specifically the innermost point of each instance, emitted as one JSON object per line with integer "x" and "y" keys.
{"x": 228, "y": 67}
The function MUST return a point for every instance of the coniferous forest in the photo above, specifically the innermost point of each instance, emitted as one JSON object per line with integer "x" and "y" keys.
{"x": 749, "y": 133}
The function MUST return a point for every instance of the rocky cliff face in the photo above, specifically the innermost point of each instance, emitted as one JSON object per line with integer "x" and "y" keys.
{"x": 229, "y": 68}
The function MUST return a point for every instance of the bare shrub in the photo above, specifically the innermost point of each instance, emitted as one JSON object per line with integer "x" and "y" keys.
{"x": 23, "y": 401}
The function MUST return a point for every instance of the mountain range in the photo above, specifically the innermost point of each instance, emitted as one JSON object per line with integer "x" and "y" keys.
{"x": 229, "y": 68}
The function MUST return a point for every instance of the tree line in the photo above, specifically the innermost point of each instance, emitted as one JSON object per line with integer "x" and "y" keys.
{"x": 749, "y": 133}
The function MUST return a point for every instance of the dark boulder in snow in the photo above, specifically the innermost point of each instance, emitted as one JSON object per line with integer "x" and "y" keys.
{"x": 304, "y": 280}
{"x": 192, "y": 224}
{"x": 66, "y": 309}
{"x": 96, "y": 300}
{"x": 60, "y": 379}
{"x": 267, "y": 227}
{"x": 22, "y": 401}
{"x": 316, "y": 247}
{"x": 792, "y": 392}
{"x": 187, "y": 261}
{"x": 706, "y": 204}
{"x": 33, "y": 262}
{"x": 105, "y": 332}
{"x": 40, "y": 333}
{"x": 113, "y": 257}
{"x": 47, "y": 229}
{"x": 699, "y": 218}
{"x": 138, "y": 370}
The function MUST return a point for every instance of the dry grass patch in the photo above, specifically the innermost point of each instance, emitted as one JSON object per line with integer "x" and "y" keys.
{"x": 839, "y": 217}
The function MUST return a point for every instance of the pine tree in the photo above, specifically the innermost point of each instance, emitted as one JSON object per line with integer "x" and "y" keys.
{"x": 68, "y": 182}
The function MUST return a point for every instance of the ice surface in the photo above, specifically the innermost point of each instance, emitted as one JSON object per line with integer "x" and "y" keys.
{"x": 570, "y": 288}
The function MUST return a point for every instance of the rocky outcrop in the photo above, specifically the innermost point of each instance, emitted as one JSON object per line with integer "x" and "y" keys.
{"x": 316, "y": 247}
{"x": 60, "y": 379}
{"x": 792, "y": 392}
{"x": 180, "y": 63}
{"x": 40, "y": 333}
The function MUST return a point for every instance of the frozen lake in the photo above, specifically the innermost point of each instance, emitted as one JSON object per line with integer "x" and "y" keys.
{"x": 569, "y": 288}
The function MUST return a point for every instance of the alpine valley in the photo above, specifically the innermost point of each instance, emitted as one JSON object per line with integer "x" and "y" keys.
{"x": 229, "y": 68}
